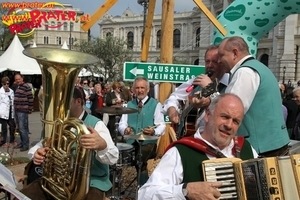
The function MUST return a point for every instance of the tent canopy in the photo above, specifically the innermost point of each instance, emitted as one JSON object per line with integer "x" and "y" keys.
{"x": 13, "y": 59}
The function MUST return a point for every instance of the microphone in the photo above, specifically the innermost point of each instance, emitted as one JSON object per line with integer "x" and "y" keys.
{"x": 209, "y": 73}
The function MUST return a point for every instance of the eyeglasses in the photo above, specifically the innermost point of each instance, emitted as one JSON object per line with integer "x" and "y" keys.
{"x": 84, "y": 83}
{"x": 5, "y": 83}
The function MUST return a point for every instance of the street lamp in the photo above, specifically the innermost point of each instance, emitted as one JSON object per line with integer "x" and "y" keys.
{"x": 283, "y": 77}
{"x": 144, "y": 3}
{"x": 70, "y": 39}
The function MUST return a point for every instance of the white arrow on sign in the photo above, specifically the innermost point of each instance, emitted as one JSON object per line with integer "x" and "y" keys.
{"x": 136, "y": 71}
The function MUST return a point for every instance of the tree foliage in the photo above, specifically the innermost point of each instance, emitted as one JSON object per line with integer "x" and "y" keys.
{"x": 6, "y": 36}
{"x": 112, "y": 54}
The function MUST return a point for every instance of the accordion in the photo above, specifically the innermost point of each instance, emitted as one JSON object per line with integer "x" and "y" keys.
{"x": 273, "y": 178}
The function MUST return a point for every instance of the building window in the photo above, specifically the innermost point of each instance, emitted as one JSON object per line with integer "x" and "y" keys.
{"x": 158, "y": 39}
{"x": 46, "y": 40}
{"x": 108, "y": 34}
{"x": 176, "y": 40}
{"x": 59, "y": 26}
{"x": 130, "y": 40}
{"x": 265, "y": 59}
{"x": 52, "y": 24}
{"x": 58, "y": 40}
{"x": 71, "y": 26}
{"x": 46, "y": 26}
{"x": 196, "y": 62}
{"x": 198, "y": 37}
{"x": 65, "y": 26}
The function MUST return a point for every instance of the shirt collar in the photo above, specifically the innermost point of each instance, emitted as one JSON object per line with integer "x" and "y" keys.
{"x": 225, "y": 79}
{"x": 143, "y": 100}
{"x": 238, "y": 64}
{"x": 81, "y": 115}
{"x": 227, "y": 151}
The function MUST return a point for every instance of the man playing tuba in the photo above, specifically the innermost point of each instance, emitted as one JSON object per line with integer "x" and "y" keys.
{"x": 106, "y": 153}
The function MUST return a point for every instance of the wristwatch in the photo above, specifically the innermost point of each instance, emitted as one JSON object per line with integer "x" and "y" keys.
{"x": 185, "y": 191}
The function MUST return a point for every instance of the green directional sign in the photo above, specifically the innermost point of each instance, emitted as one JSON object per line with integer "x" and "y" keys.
{"x": 158, "y": 72}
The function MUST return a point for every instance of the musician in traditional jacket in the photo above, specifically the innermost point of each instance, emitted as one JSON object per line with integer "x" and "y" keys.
{"x": 172, "y": 105}
{"x": 105, "y": 153}
{"x": 149, "y": 119}
{"x": 179, "y": 174}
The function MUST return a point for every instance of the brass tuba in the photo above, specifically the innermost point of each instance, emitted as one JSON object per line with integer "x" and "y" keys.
{"x": 66, "y": 170}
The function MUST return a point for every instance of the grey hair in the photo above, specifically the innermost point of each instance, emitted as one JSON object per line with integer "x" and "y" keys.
{"x": 296, "y": 90}
{"x": 139, "y": 78}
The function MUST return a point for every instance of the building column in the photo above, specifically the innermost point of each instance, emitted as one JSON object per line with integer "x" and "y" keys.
{"x": 288, "y": 58}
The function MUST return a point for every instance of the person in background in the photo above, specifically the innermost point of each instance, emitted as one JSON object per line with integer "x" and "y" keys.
{"x": 91, "y": 86}
{"x": 7, "y": 113}
{"x": 78, "y": 82}
{"x": 87, "y": 92}
{"x": 149, "y": 120}
{"x": 126, "y": 92}
{"x": 179, "y": 174}
{"x": 282, "y": 88}
{"x": 23, "y": 104}
{"x": 292, "y": 109}
{"x": 105, "y": 153}
{"x": 296, "y": 129}
{"x": 115, "y": 98}
{"x": 97, "y": 99}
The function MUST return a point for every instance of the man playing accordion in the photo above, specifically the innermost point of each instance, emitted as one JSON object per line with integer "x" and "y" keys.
{"x": 179, "y": 174}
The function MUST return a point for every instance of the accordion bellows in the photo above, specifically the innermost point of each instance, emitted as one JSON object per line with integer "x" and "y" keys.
{"x": 273, "y": 178}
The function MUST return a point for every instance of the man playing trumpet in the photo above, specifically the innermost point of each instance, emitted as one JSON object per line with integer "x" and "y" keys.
{"x": 149, "y": 120}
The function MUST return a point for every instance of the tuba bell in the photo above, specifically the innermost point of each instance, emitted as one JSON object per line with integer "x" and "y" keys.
{"x": 66, "y": 170}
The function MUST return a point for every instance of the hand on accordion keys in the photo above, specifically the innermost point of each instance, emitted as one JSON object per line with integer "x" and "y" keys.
{"x": 203, "y": 190}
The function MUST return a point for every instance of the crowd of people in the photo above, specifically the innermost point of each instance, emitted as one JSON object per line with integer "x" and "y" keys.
{"x": 246, "y": 116}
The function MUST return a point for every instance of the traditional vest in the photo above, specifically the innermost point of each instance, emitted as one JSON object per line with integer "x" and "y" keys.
{"x": 142, "y": 119}
{"x": 263, "y": 124}
{"x": 192, "y": 161}
{"x": 99, "y": 171}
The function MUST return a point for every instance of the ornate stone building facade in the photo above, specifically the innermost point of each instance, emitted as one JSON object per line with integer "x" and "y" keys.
{"x": 55, "y": 37}
{"x": 193, "y": 32}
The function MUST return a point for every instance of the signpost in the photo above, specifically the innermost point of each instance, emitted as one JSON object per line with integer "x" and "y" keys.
{"x": 158, "y": 72}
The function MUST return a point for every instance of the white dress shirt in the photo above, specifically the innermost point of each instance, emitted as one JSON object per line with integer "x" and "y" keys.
{"x": 158, "y": 120}
{"x": 244, "y": 83}
{"x": 166, "y": 180}
{"x": 109, "y": 155}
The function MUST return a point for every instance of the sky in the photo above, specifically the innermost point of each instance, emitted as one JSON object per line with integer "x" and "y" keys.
{"x": 90, "y": 6}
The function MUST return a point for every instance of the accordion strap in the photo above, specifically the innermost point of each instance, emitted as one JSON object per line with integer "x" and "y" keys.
{"x": 200, "y": 145}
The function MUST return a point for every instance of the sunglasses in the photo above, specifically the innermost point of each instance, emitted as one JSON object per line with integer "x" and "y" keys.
{"x": 5, "y": 83}
{"x": 84, "y": 83}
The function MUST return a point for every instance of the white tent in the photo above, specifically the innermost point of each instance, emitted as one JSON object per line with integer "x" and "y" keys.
{"x": 13, "y": 59}
{"x": 65, "y": 46}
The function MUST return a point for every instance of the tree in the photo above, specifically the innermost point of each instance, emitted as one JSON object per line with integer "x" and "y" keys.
{"x": 6, "y": 36}
{"x": 112, "y": 54}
